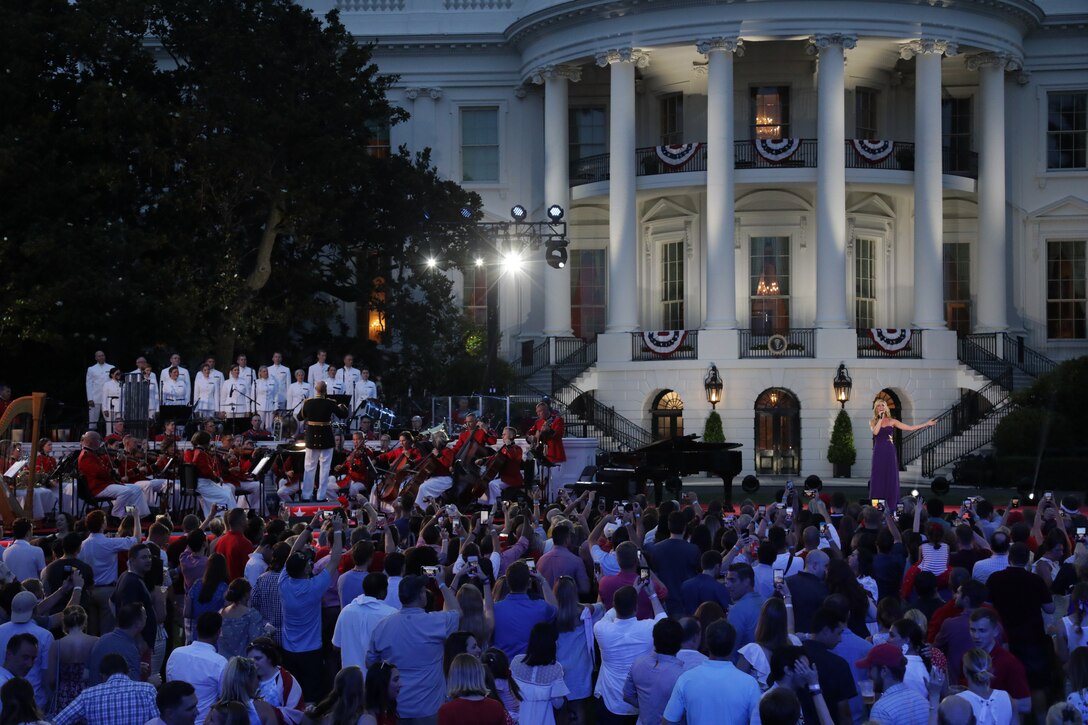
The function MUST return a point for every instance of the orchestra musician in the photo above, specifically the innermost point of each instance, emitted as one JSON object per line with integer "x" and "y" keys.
{"x": 118, "y": 433}
{"x": 510, "y": 473}
{"x": 96, "y": 466}
{"x": 457, "y": 417}
{"x": 45, "y": 497}
{"x": 134, "y": 468}
{"x": 406, "y": 444}
{"x": 547, "y": 429}
{"x": 441, "y": 479}
{"x": 183, "y": 376}
{"x": 169, "y": 430}
{"x": 297, "y": 392}
{"x": 45, "y": 464}
{"x": 475, "y": 429}
{"x": 234, "y": 466}
{"x": 318, "y": 413}
{"x": 366, "y": 427}
{"x": 355, "y": 470}
{"x": 288, "y": 480}
{"x": 97, "y": 375}
{"x": 257, "y": 431}
{"x": 264, "y": 390}
{"x": 385, "y": 444}
{"x": 214, "y": 494}
{"x": 417, "y": 424}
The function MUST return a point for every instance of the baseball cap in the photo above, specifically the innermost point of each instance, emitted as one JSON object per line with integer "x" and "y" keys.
{"x": 22, "y": 607}
{"x": 883, "y": 655}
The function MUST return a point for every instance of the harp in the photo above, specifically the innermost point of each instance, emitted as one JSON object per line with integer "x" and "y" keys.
{"x": 32, "y": 404}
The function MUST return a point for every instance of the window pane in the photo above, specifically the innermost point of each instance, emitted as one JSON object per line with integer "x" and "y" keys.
{"x": 588, "y": 132}
{"x": 672, "y": 285}
{"x": 957, "y": 286}
{"x": 1067, "y": 130}
{"x": 672, "y": 119}
{"x": 865, "y": 113}
{"x": 770, "y": 112}
{"x": 475, "y": 294}
{"x": 589, "y": 291}
{"x": 864, "y": 283}
{"x": 769, "y": 285}
{"x": 480, "y": 144}
{"x": 1065, "y": 285}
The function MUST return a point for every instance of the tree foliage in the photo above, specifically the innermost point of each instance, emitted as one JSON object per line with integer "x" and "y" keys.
{"x": 1047, "y": 413}
{"x": 197, "y": 176}
{"x": 712, "y": 432}
{"x": 841, "y": 451}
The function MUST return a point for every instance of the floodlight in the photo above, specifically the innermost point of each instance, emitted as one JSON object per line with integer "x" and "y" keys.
{"x": 518, "y": 213}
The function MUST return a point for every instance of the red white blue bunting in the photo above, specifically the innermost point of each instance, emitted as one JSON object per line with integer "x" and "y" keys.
{"x": 890, "y": 339}
{"x": 776, "y": 150}
{"x": 872, "y": 150}
{"x": 664, "y": 342}
{"x": 677, "y": 154}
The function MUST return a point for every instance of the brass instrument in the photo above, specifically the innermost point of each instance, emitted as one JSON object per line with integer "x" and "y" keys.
{"x": 33, "y": 404}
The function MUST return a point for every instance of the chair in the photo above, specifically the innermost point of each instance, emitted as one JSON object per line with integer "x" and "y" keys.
{"x": 90, "y": 501}
{"x": 187, "y": 480}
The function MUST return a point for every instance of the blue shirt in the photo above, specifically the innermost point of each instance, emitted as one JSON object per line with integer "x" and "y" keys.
{"x": 853, "y": 648}
{"x": 744, "y": 615}
{"x": 704, "y": 588}
{"x": 515, "y": 616}
{"x": 649, "y": 685}
{"x": 300, "y": 600}
{"x": 714, "y": 693}
{"x": 413, "y": 641}
{"x": 350, "y": 586}
{"x": 901, "y": 705}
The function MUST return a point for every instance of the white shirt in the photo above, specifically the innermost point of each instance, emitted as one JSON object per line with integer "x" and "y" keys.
{"x": 38, "y": 671}
{"x": 153, "y": 380}
{"x": 247, "y": 375}
{"x": 281, "y": 374}
{"x": 265, "y": 394}
{"x": 354, "y": 627}
{"x": 111, "y": 398}
{"x": 622, "y": 641}
{"x": 348, "y": 376}
{"x": 392, "y": 598}
{"x": 316, "y": 372}
{"x": 183, "y": 376}
{"x": 296, "y": 393}
{"x": 994, "y": 710}
{"x": 205, "y": 393}
{"x": 367, "y": 390}
{"x": 100, "y": 553}
{"x": 231, "y": 398}
{"x": 25, "y": 560}
{"x": 333, "y": 386}
{"x": 255, "y": 566}
{"x": 96, "y": 376}
{"x": 202, "y": 667}
{"x": 985, "y": 567}
{"x": 175, "y": 392}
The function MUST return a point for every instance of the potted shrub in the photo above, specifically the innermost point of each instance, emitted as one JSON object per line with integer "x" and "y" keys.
{"x": 713, "y": 432}
{"x": 841, "y": 453}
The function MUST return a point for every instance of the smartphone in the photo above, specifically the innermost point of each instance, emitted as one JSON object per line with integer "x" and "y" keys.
{"x": 324, "y": 514}
{"x": 811, "y": 492}
{"x": 779, "y": 577}
{"x": 1014, "y": 503}
{"x": 68, "y": 568}
{"x": 761, "y": 510}
{"x": 644, "y": 574}
{"x": 457, "y": 526}
{"x": 473, "y": 560}
{"x": 899, "y": 509}
{"x": 730, "y": 519}
{"x": 967, "y": 503}
{"x": 451, "y": 510}
{"x": 132, "y": 509}
{"x": 531, "y": 564}
{"x": 597, "y": 571}
{"x": 823, "y": 528}
{"x": 220, "y": 507}
{"x": 431, "y": 571}
{"x": 623, "y": 505}
{"x": 602, "y": 505}
{"x": 1080, "y": 533}
{"x": 484, "y": 516}
{"x": 878, "y": 504}
{"x": 789, "y": 511}
{"x": 1049, "y": 495}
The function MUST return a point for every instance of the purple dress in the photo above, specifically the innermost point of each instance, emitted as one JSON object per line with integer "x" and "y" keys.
{"x": 884, "y": 478}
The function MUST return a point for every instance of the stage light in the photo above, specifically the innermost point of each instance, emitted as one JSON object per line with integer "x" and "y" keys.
{"x": 431, "y": 262}
{"x": 914, "y": 492}
{"x": 479, "y": 262}
{"x": 555, "y": 254}
{"x": 511, "y": 261}
{"x": 555, "y": 212}
{"x": 518, "y": 213}
{"x": 466, "y": 212}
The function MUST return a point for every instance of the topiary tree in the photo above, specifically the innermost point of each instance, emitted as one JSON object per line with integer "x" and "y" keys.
{"x": 841, "y": 453}
{"x": 713, "y": 432}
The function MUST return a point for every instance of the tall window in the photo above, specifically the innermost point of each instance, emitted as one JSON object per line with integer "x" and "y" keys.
{"x": 1067, "y": 130}
{"x": 672, "y": 118}
{"x": 957, "y": 286}
{"x": 1065, "y": 290}
{"x": 864, "y": 283}
{"x": 865, "y": 113}
{"x": 475, "y": 294}
{"x": 672, "y": 286}
{"x": 771, "y": 112}
{"x": 956, "y": 130}
{"x": 480, "y": 144}
{"x": 769, "y": 281}
{"x": 377, "y": 139}
{"x": 588, "y": 291}
{"x": 588, "y": 132}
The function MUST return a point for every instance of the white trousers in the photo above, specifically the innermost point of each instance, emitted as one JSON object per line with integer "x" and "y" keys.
{"x": 45, "y": 499}
{"x": 433, "y": 487}
{"x": 212, "y": 494}
{"x": 128, "y": 494}
{"x": 314, "y": 456}
{"x": 495, "y": 489}
{"x": 93, "y": 412}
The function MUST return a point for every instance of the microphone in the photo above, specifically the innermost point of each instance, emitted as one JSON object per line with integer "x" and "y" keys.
{"x": 232, "y": 390}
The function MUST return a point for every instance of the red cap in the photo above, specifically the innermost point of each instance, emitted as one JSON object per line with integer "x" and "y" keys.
{"x": 883, "y": 655}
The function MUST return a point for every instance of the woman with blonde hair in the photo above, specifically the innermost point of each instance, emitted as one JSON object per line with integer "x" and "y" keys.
{"x": 991, "y": 707}
{"x": 774, "y": 631}
{"x": 884, "y": 477}
{"x": 240, "y": 683}
{"x": 466, "y": 686}
{"x": 68, "y": 657}
{"x": 476, "y": 612}
{"x": 346, "y": 702}
{"x": 574, "y": 648}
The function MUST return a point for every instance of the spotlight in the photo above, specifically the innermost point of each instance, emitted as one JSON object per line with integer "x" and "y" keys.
{"x": 466, "y": 212}
{"x": 518, "y": 213}
{"x": 814, "y": 483}
{"x": 431, "y": 262}
{"x": 511, "y": 261}
{"x": 939, "y": 485}
{"x": 555, "y": 254}
{"x": 750, "y": 484}
{"x": 479, "y": 262}
{"x": 914, "y": 492}
{"x": 555, "y": 212}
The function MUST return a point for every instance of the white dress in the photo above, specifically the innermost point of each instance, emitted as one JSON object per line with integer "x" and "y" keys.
{"x": 111, "y": 401}
{"x": 205, "y": 395}
{"x": 539, "y": 686}
{"x": 994, "y": 710}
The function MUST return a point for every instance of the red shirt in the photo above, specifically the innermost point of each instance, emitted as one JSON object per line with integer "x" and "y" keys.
{"x": 204, "y": 466}
{"x": 1009, "y": 674}
{"x": 481, "y": 436}
{"x": 609, "y": 585}
{"x": 472, "y": 712}
{"x": 96, "y": 468}
{"x": 236, "y": 548}
{"x": 553, "y": 448}
{"x": 510, "y": 473}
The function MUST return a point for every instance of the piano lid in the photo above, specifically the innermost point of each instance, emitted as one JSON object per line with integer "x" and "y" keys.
{"x": 682, "y": 443}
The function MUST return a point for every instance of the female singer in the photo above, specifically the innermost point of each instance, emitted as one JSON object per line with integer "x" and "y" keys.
{"x": 232, "y": 395}
{"x": 884, "y": 479}
{"x": 152, "y": 393}
{"x": 265, "y": 393}
{"x": 111, "y": 397}
{"x": 297, "y": 392}
{"x": 174, "y": 389}
{"x": 205, "y": 394}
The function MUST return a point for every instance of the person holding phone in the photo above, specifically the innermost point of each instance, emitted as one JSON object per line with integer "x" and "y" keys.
{"x": 884, "y": 478}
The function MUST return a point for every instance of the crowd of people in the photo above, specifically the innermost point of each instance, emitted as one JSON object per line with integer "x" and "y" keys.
{"x": 811, "y": 609}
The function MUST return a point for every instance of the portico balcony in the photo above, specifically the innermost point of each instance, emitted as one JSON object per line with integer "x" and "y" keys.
{"x": 801, "y": 153}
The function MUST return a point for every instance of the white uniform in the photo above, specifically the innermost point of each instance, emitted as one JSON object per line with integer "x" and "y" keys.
{"x": 368, "y": 390}
{"x": 152, "y": 398}
{"x": 248, "y": 376}
{"x": 281, "y": 375}
{"x": 333, "y": 387}
{"x": 183, "y": 377}
{"x": 296, "y": 395}
{"x": 205, "y": 395}
{"x": 232, "y": 398}
{"x": 265, "y": 394}
{"x": 97, "y": 375}
{"x": 175, "y": 392}
{"x": 153, "y": 380}
{"x": 316, "y": 372}
{"x": 111, "y": 401}
{"x": 349, "y": 379}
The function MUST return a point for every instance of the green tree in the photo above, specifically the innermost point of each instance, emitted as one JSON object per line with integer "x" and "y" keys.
{"x": 713, "y": 432}
{"x": 841, "y": 451}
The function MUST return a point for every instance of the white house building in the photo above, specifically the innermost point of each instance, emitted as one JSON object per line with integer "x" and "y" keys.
{"x": 779, "y": 187}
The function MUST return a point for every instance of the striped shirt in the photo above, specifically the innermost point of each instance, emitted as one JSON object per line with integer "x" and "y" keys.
{"x": 117, "y": 701}
{"x": 901, "y": 705}
{"x": 266, "y": 600}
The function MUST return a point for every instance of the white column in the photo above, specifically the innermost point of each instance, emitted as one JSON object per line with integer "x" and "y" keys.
{"x": 556, "y": 187}
{"x": 928, "y": 221}
{"x": 831, "y": 291}
{"x": 622, "y": 212}
{"x": 991, "y": 314}
{"x": 721, "y": 294}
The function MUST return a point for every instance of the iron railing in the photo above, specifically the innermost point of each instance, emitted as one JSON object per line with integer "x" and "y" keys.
{"x": 688, "y": 350}
{"x": 574, "y": 364}
{"x": 939, "y": 455}
{"x": 615, "y": 427}
{"x": 1013, "y": 351}
{"x": 535, "y": 356}
{"x": 569, "y": 347}
{"x": 983, "y": 360}
{"x": 799, "y": 342}
{"x": 867, "y": 347}
{"x": 647, "y": 162}
{"x": 971, "y": 408}
{"x": 900, "y": 159}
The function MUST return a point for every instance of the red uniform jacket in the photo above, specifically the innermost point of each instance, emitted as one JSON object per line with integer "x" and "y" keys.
{"x": 390, "y": 457}
{"x": 205, "y": 466}
{"x": 445, "y": 463}
{"x": 483, "y": 437}
{"x": 46, "y": 464}
{"x": 510, "y": 473}
{"x": 356, "y": 469}
{"x": 96, "y": 468}
{"x": 553, "y": 449}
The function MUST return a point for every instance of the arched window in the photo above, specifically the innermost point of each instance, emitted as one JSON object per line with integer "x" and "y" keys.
{"x": 668, "y": 415}
{"x": 778, "y": 432}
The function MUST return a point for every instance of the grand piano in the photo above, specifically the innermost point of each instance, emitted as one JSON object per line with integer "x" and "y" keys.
{"x": 665, "y": 461}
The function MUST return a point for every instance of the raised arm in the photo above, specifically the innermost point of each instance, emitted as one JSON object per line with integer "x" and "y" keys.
{"x": 903, "y": 426}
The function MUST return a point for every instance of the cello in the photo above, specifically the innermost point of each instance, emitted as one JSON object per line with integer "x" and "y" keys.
{"x": 398, "y": 473}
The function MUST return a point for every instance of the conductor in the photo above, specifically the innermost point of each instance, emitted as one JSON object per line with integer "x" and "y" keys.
{"x": 318, "y": 412}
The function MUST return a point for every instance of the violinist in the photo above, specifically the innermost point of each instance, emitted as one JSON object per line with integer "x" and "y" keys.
{"x": 169, "y": 430}
{"x": 238, "y": 461}
{"x": 385, "y": 444}
{"x": 135, "y": 468}
{"x": 96, "y": 466}
{"x": 510, "y": 473}
{"x": 355, "y": 471}
{"x": 287, "y": 474}
{"x": 366, "y": 427}
{"x": 214, "y": 494}
{"x": 545, "y": 437}
{"x": 440, "y": 479}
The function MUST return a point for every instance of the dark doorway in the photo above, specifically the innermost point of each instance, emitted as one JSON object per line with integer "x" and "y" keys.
{"x": 778, "y": 432}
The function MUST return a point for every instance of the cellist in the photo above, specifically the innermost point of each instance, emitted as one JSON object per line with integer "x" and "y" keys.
{"x": 440, "y": 479}
{"x": 510, "y": 473}
{"x": 356, "y": 469}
